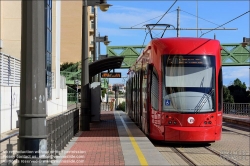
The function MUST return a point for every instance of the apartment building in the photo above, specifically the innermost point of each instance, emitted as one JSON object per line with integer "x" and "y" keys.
{"x": 63, "y": 34}
{"x": 63, "y": 44}
{"x": 71, "y": 30}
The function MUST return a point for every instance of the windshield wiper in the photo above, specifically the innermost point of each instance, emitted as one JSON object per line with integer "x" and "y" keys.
{"x": 203, "y": 100}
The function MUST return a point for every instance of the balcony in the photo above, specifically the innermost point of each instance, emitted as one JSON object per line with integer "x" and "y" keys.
{"x": 92, "y": 12}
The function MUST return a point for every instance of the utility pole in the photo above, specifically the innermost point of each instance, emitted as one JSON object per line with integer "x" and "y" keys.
{"x": 99, "y": 53}
{"x": 116, "y": 96}
{"x": 197, "y": 17}
{"x": 178, "y": 22}
{"x": 94, "y": 36}
{"x": 32, "y": 137}
{"x": 85, "y": 90}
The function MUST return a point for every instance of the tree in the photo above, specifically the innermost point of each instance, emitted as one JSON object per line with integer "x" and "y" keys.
{"x": 227, "y": 97}
{"x": 239, "y": 83}
{"x": 66, "y": 65}
{"x": 104, "y": 91}
{"x": 238, "y": 91}
{"x": 121, "y": 106}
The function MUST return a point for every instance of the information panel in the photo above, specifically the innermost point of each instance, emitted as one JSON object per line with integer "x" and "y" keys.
{"x": 111, "y": 75}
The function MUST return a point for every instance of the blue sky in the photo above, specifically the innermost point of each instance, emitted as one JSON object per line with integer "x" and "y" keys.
{"x": 212, "y": 14}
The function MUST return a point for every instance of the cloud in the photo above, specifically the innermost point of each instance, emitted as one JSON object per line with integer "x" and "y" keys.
{"x": 123, "y": 16}
{"x": 235, "y": 72}
{"x": 126, "y": 17}
{"x": 114, "y": 32}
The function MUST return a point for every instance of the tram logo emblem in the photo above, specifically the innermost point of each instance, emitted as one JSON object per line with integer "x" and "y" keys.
{"x": 190, "y": 120}
{"x": 167, "y": 102}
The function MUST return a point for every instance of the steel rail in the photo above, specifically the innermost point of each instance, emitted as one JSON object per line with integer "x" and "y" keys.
{"x": 183, "y": 156}
{"x": 225, "y": 158}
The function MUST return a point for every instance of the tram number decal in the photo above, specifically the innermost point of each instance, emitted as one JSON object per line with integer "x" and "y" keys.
{"x": 167, "y": 102}
{"x": 190, "y": 120}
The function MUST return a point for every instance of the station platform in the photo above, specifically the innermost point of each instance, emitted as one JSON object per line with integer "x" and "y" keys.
{"x": 115, "y": 140}
{"x": 236, "y": 119}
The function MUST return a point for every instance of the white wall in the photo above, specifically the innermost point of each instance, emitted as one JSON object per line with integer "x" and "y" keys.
{"x": 57, "y": 105}
{"x": 120, "y": 100}
{"x": 54, "y": 106}
{"x": 112, "y": 97}
{"x": 5, "y": 107}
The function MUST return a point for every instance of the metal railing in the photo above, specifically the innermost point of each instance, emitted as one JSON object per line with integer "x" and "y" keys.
{"x": 10, "y": 157}
{"x": 241, "y": 109}
{"x": 60, "y": 130}
{"x": 105, "y": 106}
{"x": 71, "y": 95}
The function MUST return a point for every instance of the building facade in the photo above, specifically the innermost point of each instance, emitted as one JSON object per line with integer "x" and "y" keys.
{"x": 10, "y": 61}
{"x": 71, "y": 31}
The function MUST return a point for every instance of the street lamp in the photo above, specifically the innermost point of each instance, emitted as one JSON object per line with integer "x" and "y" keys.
{"x": 85, "y": 90}
{"x": 105, "y": 40}
{"x": 101, "y": 3}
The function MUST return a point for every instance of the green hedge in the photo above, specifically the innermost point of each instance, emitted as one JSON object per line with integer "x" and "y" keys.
{"x": 121, "y": 106}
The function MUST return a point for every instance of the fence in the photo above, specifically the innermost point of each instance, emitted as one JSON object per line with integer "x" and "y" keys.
{"x": 72, "y": 95}
{"x": 60, "y": 129}
{"x": 10, "y": 73}
{"x": 240, "y": 109}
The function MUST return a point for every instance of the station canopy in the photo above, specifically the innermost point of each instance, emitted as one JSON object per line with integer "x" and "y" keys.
{"x": 108, "y": 63}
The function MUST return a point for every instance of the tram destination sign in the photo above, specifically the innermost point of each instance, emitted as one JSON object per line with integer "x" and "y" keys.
{"x": 111, "y": 75}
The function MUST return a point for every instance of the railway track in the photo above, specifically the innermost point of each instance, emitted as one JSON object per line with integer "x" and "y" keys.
{"x": 247, "y": 135}
{"x": 211, "y": 156}
{"x": 237, "y": 129}
{"x": 192, "y": 162}
{"x": 232, "y": 149}
{"x": 224, "y": 157}
{"x": 183, "y": 156}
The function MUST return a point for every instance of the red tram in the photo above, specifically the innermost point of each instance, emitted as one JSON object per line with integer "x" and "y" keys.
{"x": 174, "y": 90}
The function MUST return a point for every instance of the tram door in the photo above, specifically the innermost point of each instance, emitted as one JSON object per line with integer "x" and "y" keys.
{"x": 140, "y": 98}
{"x": 148, "y": 98}
{"x": 134, "y": 96}
{"x": 156, "y": 114}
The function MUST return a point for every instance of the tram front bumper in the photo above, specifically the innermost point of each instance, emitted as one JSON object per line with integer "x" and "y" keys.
{"x": 190, "y": 134}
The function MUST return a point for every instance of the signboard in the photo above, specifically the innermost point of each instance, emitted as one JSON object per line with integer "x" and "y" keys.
{"x": 77, "y": 82}
{"x": 111, "y": 75}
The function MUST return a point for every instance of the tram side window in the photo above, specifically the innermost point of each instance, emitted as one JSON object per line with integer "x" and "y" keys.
{"x": 220, "y": 90}
{"x": 154, "y": 90}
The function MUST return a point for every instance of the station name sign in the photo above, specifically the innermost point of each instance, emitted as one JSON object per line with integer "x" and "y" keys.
{"x": 111, "y": 75}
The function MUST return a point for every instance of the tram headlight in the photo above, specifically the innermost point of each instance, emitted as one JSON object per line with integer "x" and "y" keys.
{"x": 209, "y": 122}
{"x": 174, "y": 122}
{"x": 170, "y": 122}
{"x": 205, "y": 122}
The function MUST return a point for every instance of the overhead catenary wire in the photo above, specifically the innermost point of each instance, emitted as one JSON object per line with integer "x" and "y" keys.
{"x": 144, "y": 40}
{"x": 226, "y": 23}
{"x": 198, "y": 17}
{"x": 151, "y": 19}
{"x": 165, "y": 12}
{"x": 158, "y": 21}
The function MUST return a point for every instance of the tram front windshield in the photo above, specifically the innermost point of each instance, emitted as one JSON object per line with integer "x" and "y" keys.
{"x": 188, "y": 83}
